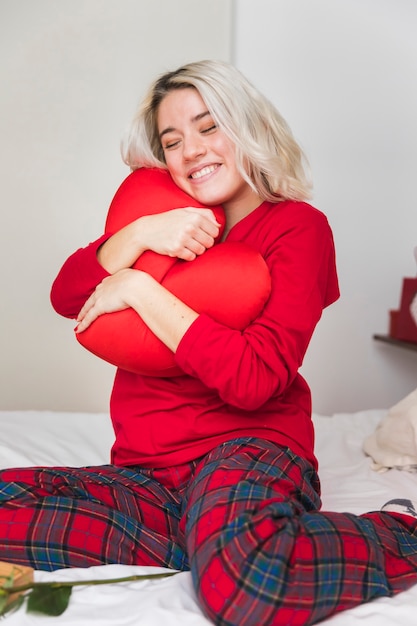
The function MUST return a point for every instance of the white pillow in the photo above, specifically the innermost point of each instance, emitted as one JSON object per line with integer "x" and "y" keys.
{"x": 394, "y": 441}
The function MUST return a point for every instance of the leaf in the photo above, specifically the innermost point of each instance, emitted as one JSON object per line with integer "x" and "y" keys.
{"x": 4, "y": 597}
{"x": 5, "y": 604}
{"x": 49, "y": 600}
{"x": 14, "y": 605}
{"x": 53, "y": 598}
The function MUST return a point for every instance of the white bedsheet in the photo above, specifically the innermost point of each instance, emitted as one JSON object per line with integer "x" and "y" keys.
{"x": 348, "y": 484}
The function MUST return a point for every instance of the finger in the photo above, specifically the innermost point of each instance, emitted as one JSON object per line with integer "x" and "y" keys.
{"x": 185, "y": 254}
{"x": 211, "y": 228}
{"x": 196, "y": 248}
{"x": 203, "y": 240}
{"x": 87, "y": 306}
{"x": 193, "y": 250}
{"x": 86, "y": 321}
{"x": 207, "y": 221}
{"x": 206, "y": 213}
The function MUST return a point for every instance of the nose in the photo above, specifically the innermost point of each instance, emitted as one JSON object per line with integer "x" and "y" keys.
{"x": 193, "y": 147}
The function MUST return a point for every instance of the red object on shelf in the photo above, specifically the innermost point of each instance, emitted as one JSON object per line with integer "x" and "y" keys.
{"x": 402, "y": 324}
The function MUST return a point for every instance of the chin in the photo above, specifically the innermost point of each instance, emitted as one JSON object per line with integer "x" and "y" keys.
{"x": 207, "y": 199}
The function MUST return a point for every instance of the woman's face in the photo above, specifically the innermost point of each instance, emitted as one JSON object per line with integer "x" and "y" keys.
{"x": 199, "y": 156}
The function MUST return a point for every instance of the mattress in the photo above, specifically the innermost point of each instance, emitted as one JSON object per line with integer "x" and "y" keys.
{"x": 348, "y": 484}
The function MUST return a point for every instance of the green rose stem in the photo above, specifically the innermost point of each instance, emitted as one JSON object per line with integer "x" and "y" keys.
{"x": 52, "y": 598}
{"x": 80, "y": 583}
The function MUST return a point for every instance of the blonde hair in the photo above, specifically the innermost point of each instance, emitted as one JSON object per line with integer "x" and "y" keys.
{"x": 267, "y": 155}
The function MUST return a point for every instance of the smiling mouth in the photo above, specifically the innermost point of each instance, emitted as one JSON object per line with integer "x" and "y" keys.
{"x": 203, "y": 172}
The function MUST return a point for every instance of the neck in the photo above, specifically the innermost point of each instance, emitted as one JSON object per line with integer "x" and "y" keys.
{"x": 237, "y": 211}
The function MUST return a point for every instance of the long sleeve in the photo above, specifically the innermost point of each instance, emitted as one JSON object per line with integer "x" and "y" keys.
{"x": 247, "y": 368}
{"x": 77, "y": 279}
{"x": 234, "y": 384}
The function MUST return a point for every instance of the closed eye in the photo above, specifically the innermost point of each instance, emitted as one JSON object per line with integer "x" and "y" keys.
{"x": 171, "y": 144}
{"x": 210, "y": 129}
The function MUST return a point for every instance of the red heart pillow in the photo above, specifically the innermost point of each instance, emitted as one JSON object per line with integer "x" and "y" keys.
{"x": 230, "y": 281}
{"x": 146, "y": 192}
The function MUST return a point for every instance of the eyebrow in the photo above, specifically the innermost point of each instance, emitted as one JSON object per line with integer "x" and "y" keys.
{"x": 196, "y": 118}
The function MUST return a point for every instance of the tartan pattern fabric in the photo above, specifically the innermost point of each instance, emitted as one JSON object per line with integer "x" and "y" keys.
{"x": 262, "y": 554}
{"x": 247, "y": 514}
{"x": 78, "y": 517}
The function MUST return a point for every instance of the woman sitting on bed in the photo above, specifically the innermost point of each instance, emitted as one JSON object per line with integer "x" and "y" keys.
{"x": 213, "y": 470}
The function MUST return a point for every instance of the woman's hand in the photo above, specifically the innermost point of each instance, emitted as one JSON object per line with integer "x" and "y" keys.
{"x": 182, "y": 233}
{"x": 167, "y": 316}
{"x": 112, "y": 294}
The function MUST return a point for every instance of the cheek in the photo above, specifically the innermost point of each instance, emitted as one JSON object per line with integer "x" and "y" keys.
{"x": 223, "y": 145}
{"x": 177, "y": 178}
{"x": 173, "y": 165}
{"x": 174, "y": 168}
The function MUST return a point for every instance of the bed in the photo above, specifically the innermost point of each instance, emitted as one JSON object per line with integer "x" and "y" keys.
{"x": 349, "y": 483}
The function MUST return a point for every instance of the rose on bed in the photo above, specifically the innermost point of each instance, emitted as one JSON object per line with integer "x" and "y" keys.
{"x": 48, "y": 598}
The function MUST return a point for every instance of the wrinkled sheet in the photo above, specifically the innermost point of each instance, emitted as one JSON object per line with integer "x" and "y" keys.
{"x": 348, "y": 484}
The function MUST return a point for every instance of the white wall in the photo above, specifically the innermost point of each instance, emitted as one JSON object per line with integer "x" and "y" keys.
{"x": 342, "y": 72}
{"x": 71, "y": 75}
{"x": 344, "y": 75}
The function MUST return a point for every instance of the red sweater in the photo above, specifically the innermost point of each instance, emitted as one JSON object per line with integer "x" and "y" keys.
{"x": 235, "y": 384}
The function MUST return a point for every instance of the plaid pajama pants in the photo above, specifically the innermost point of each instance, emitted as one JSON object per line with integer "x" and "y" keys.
{"x": 246, "y": 514}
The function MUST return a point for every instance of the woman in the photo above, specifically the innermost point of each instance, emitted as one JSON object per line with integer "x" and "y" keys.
{"x": 214, "y": 470}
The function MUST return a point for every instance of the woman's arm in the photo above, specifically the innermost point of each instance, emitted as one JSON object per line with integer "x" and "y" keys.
{"x": 247, "y": 367}
{"x": 77, "y": 279}
{"x": 167, "y": 316}
{"x": 182, "y": 233}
